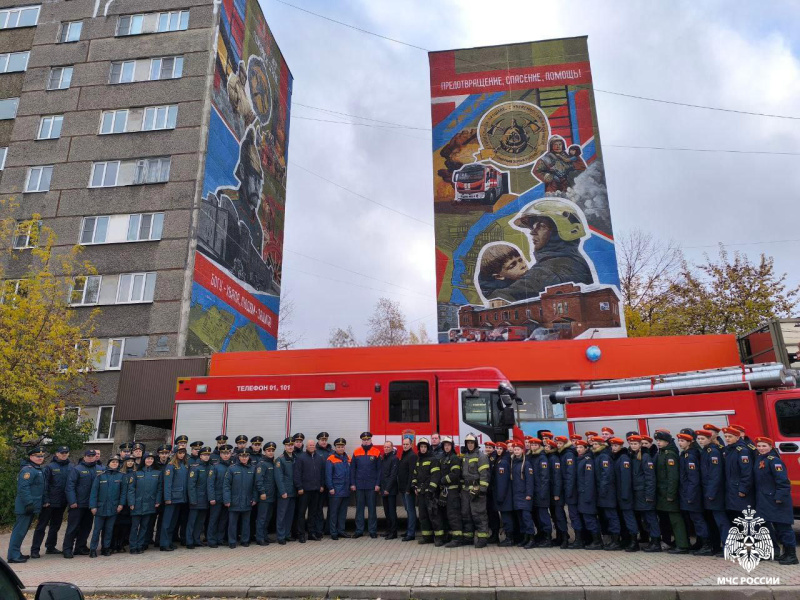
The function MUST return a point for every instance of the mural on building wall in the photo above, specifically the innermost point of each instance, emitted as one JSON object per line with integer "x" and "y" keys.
{"x": 237, "y": 274}
{"x": 524, "y": 244}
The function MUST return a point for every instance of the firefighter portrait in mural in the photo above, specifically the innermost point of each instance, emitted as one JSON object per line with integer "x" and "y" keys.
{"x": 238, "y": 96}
{"x": 555, "y": 228}
{"x": 500, "y": 265}
{"x": 559, "y": 167}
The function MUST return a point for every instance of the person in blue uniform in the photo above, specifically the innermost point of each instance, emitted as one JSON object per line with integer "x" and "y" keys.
{"x": 774, "y": 498}
{"x": 267, "y": 493}
{"x": 105, "y": 501}
{"x": 222, "y": 440}
{"x": 239, "y": 495}
{"x": 587, "y": 494}
{"x": 691, "y": 491}
{"x": 643, "y": 483}
{"x": 144, "y": 498}
{"x": 605, "y": 481}
{"x": 557, "y": 503}
{"x": 309, "y": 480}
{"x": 198, "y": 498}
{"x": 54, "y": 503}
{"x": 27, "y": 503}
{"x": 255, "y": 450}
{"x": 176, "y": 495}
{"x": 365, "y": 481}
{"x": 125, "y": 450}
{"x": 502, "y": 493}
{"x": 522, "y": 482}
{"x": 739, "y": 492}
{"x": 712, "y": 480}
{"x": 337, "y": 481}
{"x": 194, "y": 452}
{"x": 287, "y": 493}
{"x": 217, "y": 528}
{"x": 79, "y": 517}
{"x": 541, "y": 495}
{"x": 325, "y": 450}
{"x": 623, "y": 473}
{"x": 568, "y": 467}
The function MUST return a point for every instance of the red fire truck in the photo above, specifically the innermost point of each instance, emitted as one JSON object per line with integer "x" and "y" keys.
{"x": 762, "y": 398}
{"x": 476, "y": 181}
{"x": 453, "y": 402}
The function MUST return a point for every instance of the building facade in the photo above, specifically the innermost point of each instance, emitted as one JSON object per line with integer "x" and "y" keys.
{"x": 115, "y": 122}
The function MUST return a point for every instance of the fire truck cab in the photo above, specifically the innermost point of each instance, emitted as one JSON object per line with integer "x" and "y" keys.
{"x": 480, "y": 182}
{"x": 452, "y": 402}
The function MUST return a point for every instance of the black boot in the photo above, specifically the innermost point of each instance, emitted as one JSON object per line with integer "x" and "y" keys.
{"x": 705, "y": 549}
{"x": 556, "y": 541}
{"x": 525, "y": 541}
{"x": 655, "y": 546}
{"x": 614, "y": 545}
{"x": 577, "y": 544}
{"x": 425, "y": 539}
{"x": 633, "y": 545}
{"x": 698, "y": 543}
{"x": 564, "y": 541}
{"x": 531, "y": 543}
{"x": 92, "y": 554}
{"x": 789, "y": 557}
{"x": 597, "y": 542}
{"x": 438, "y": 541}
{"x": 454, "y": 543}
{"x": 677, "y": 550}
{"x": 507, "y": 543}
{"x": 494, "y": 538}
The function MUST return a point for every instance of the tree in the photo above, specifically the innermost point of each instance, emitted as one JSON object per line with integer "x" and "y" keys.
{"x": 420, "y": 336}
{"x": 287, "y": 337}
{"x": 387, "y": 325}
{"x": 45, "y": 352}
{"x": 343, "y": 338}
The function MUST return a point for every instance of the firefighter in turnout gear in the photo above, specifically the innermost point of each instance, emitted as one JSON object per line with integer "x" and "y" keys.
{"x": 425, "y": 484}
{"x": 450, "y": 492}
{"x": 475, "y": 473}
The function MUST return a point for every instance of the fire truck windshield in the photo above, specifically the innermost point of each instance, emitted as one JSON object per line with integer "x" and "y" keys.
{"x": 468, "y": 174}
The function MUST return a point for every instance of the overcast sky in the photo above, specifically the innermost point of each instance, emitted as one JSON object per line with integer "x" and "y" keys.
{"x": 732, "y": 54}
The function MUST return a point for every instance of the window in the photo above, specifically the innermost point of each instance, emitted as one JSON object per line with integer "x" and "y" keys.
{"x": 60, "y": 78}
{"x": 104, "y": 174}
{"x": 85, "y": 290}
{"x": 3, "y": 152}
{"x": 113, "y": 121}
{"x": 145, "y": 227}
{"x": 136, "y": 287}
{"x": 536, "y": 404}
{"x": 477, "y": 409}
{"x": 788, "y": 413}
{"x": 122, "y": 72}
{"x": 160, "y": 117}
{"x": 93, "y": 230}
{"x": 70, "y": 32}
{"x": 409, "y": 402}
{"x": 114, "y": 354}
{"x": 173, "y": 21}
{"x": 27, "y": 16}
{"x": 166, "y": 68}
{"x": 50, "y": 128}
{"x": 39, "y": 179}
{"x": 14, "y": 62}
{"x": 130, "y": 25}
{"x": 27, "y": 234}
{"x": 104, "y": 426}
{"x": 605, "y": 306}
{"x": 152, "y": 170}
{"x": 8, "y": 108}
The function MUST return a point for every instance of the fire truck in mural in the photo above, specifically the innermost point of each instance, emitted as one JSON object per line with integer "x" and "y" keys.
{"x": 479, "y": 182}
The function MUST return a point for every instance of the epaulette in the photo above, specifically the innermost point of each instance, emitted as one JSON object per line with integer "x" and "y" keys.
{"x": 738, "y": 448}
{"x": 771, "y": 457}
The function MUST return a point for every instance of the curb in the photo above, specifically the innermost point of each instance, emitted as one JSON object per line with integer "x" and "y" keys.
{"x": 458, "y": 593}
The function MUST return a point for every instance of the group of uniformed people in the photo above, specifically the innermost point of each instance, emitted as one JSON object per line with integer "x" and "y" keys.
{"x": 639, "y": 490}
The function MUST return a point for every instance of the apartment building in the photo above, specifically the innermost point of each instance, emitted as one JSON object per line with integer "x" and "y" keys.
{"x": 129, "y": 126}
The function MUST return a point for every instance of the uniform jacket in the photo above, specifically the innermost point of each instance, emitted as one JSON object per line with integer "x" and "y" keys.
{"x": 556, "y": 478}
{"x": 450, "y": 464}
{"x": 390, "y": 465}
{"x": 238, "y": 487}
{"x": 337, "y": 475}
{"x": 623, "y": 473}
{"x": 284, "y": 475}
{"x": 587, "y": 495}
{"x": 501, "y": 484}
{"x": 643, "y": 480}
{"x": 144, "y": 491}
{"x": 30, "y": 489}
{"x": 109, "y": 491}
{"x": 365, "y": 471}
{"x": 198, "y": 484}
{"x": 255, "y": 457}
{"x": 712, "y": 477}
{"x": 605, "y": 478}
{"x": 56, "y": 473}
{"x": 427, "y": 474}
{"x": 176, "y": 481}
{"x": 405, "y": 471}
{"x": 324, "y": 452}
{"x": 773, "y": 489}
{"x": 192, "y": 459}
{"x": 216, "y": 478}
{"x": 476, "y": 471}
{"x": 569, "y": 473}
{"x": 79, "y": 483}
{"x": 309, "y": 472}
{"x": 541, "y": 475}
{"x": 265, "y": 480}
{"x": 738, "y": 477}
{"x": 522, "y": 482}
{"x": 691, "y": 487}
{"x": 667, "y": 479}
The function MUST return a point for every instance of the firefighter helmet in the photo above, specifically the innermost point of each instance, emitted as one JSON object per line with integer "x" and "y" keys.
{"x": 446, "y": 439}
{"x": 471, "y": 438}
{"x": 423, "y": 440}
{"x": 564, "y": 216}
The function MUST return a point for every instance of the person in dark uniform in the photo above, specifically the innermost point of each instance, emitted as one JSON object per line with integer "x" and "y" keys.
{"x": 194, "y": 452}
{"x": 405, "y": 474}
{"x": 217, "y": 528}
{"x": 606, "y": 489}
{"x": 180, "y": 442}
{"x": 774, "y": 498}
{"x": 691, "y": 492}
{"x": 284, "y": 482}
{"x": 522, "y": 489}
{"x": 267, "y": 493}
{"x": 450, "y": 492}
{"x": 425, "y": 484}
{"x": 125, "y": 450}
{"x": 566, "y": 494}
{"x": 138, "y": 451}
{"x": 122, "y": 524}
{"x": 739, "y": 493}
{"x": 365, "y": 481}
{"x": 502, "y": 493}
{"x": 28, "y": 502}
{"x": 256, "y": 453}
{"x": 298, "y": 439}
{"x": 558, "y": 518}
{"x": 712, "y": 479}
{"x": 156, "y": 522}
{"x": 643, "y": 482}
{"x": 54, "y": 503}
{"x": 715, "y": 435}
{"x": 239, "y": 495}
{"x": 241, "y": 442}
{"x": 751, "y": 447}
{"x": 587, "y": 494}
{"x": 541, "y": 496}
{"x": 325, "y": 450}
{"x": 668, "y": 489}
{"x": 309, "y": 477}
{"x": 337, "y": 481}
{"x": 176, "y": 495}
{"x": 106, "y": 501}
{"x": 475, "y": 476}
{"x": 390, "y": 466}
{"x": 144, "y": 498}
{"x": 179, "y": 534}
{"x": 79, "y": 517}
{"x": 222, "y": 440}
{"x": 490, "y": 450}
{"x": 198, "y": 498}
{"x": 623, "y": 474}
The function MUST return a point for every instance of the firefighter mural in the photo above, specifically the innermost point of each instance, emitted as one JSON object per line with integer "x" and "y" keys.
{"x": 237, "y": 273}
{"x": 524, "y": 244}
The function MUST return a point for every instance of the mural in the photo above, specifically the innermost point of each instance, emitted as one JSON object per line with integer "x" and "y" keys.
{"x": 237, "y": 276}
{"x": 524, "y": 244}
